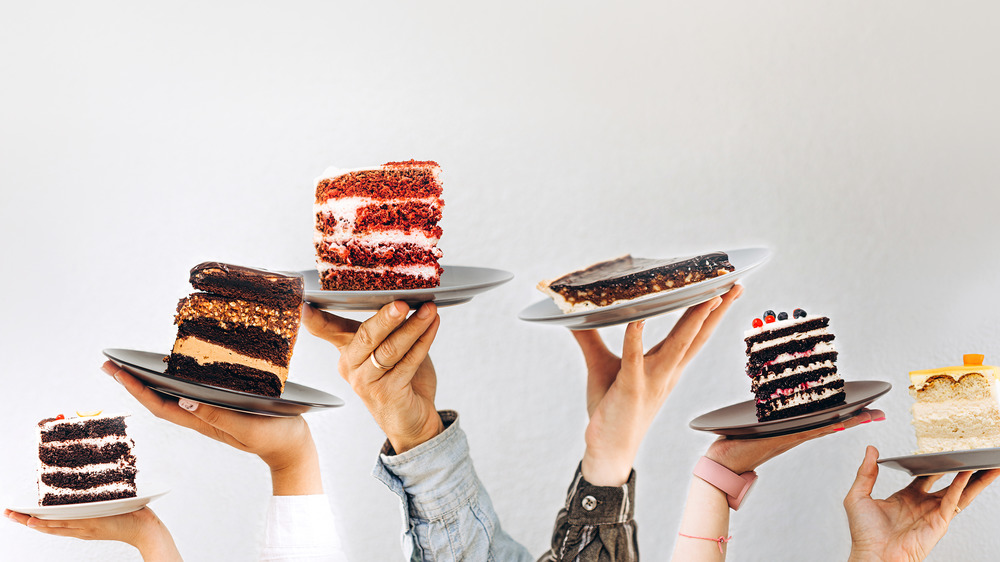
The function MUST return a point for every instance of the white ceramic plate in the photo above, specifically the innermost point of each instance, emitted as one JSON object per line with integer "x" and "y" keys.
{"x": 744, "y": 260}
{"x": 947, "y": 461}
{"x": 739, "y": 421}
{"x": 89, "y": 510}
{"x": 458, "y": 285}
{"x": 149, "y": 368}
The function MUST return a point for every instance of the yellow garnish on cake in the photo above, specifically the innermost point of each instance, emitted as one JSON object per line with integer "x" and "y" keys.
{"x": 89, "y": 414}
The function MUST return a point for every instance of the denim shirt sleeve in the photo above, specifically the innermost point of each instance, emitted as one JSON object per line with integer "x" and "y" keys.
{"x": 447, "y": 514}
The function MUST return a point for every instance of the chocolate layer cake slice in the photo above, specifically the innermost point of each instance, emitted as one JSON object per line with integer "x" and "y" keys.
{"x": 628, "y": 278}
{"x": 84, "y": 459}
{"x": 239, "y": 333}
{"x": 792, "y": 367}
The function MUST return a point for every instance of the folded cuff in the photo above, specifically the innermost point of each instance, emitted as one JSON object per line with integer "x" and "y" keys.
{"x": 588, "y": 504}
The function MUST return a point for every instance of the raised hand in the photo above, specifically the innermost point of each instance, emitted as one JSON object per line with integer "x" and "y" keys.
{"x": 905, "y": 526}
{"x": 385, "y": 359}
{"x": 141, "y": 529}
{"x": 284, "y": 443}
{"x": 743, "y": 455}
{"x": 624, "y": 394}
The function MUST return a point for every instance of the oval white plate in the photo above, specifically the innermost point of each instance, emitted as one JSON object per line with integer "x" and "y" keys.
{"x": 89, "y": 510}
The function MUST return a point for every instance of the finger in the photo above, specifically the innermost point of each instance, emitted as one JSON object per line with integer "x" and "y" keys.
{"x": 58, "y": 531}
{"x": 676, "y": 344}
{"x": 36, "y": 523}
{"x": 632, "y": 347}
{"x": 16, "y": 517}
{"x": 392, "y": 350}
{"x": 979, "y": 481}
{"x": 862, "y": 417}
{"x": 713, "y": 320}
{"x": 923, "y": 484}
{"x": 595, "y": 352}
{"x": 407, "y": 367}
{"x": 953, "y": 493}
{"x": 864, "y": 482}
{"x": 373, "y": 332}
{"x": 161, "y": 407}
{"x": 334, "y": 329}
{"x": 224, "y": 424}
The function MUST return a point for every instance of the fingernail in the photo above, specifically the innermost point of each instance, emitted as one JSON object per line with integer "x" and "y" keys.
{"x": 718, "y": 303}
{"x": 117, "y": 378}
{"x": 739, "y": 292}
{"x": 840, "y": 427}
{"x": 424, "y": 311}
{"x": 109, "y": 369}
{"x": 394, "y": 311}
{"x": 189, "y": 405}
{"x": 640, "y": 324}
{"x": 879, "y": 418}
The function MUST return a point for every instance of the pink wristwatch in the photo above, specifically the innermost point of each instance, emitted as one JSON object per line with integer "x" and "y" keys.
{"x": 735, "y": 486}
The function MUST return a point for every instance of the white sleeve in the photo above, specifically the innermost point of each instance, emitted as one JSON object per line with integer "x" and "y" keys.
{"x": 301, "y": 528}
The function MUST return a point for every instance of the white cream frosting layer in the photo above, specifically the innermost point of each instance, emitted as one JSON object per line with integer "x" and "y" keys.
{"x": 789, "y": 338}
{"x": 414, "y": 270}
{"x": 79, "y": 420}
{"x": 795, "y": 371}
{"x": 44, "y": 489}
{"x": 206, "y": 352}
{"x": 821, "y": 347}
{"x": 387, "y": 237}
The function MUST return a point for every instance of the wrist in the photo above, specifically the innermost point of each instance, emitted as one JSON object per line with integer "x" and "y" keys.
{"x": 298, "y": 473}
{"x": 431, "y": 428}
{"x": 862, "y": 555}
{"x": 718, "y": 454}
{"x": 604, "y": 472}
{"x": 154, "y": 542}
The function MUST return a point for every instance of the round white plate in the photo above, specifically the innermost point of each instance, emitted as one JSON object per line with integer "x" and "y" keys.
{"x": 947, "y": 461}
{"x": 744, "y": 260}
{"x": 149, "y": 368}
{"x": 739, "y": 421}
{"x": 89, "y": 510}
{"x": 458, "y": 285}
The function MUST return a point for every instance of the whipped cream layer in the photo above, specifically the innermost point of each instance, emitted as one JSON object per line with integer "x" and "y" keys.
{"x": 419, "y": 270}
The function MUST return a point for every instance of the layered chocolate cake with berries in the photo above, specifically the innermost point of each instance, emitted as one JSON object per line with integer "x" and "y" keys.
{"x": 792, "y": 366}
{"x": 84, "y": 459}
{"x": 627, "y": 278}
{"x": 239, "y": 330}
{"x": 377, "y": 228}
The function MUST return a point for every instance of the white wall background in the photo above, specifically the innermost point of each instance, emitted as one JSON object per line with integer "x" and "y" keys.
{"x": 859, "y": 140}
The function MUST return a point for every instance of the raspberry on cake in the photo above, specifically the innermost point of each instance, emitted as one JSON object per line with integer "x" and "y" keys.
{"x": 240, "y": 332}
{"x": 626, "y": 278}
{"x": 792, "y": 365}
{"x": 376, "y": 228}
{"x": 84, "y": 459}
{"x": 956, "y": 407}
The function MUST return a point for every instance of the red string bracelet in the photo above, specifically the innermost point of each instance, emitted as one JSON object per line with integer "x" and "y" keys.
{"x": 719, "y": 540}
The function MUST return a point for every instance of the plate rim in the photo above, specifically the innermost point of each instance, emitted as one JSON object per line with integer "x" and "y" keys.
{"x": 734, "y": 276}
{"x": 107, "y": 353}
{"x": 503, "y": 276}
{"x": 895, "y": 462}
{"x": 857, "y": 404}
{"x": 46, "y": 510}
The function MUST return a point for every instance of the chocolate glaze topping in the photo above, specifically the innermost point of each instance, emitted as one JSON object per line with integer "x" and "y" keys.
{"x": 627, "y": 268}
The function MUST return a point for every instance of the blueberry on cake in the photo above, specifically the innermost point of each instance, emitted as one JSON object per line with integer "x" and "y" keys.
{"x": 84, "y": 459}
{"x": 956, "y": 407}
{"x": 792, "y": 366}
{"x": 239, "y": 330}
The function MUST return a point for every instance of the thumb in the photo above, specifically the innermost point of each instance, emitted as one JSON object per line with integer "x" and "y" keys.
{"x": 590, "y": 342}
{"x": 867, "y": 474}
{"x": 334, "y": 329}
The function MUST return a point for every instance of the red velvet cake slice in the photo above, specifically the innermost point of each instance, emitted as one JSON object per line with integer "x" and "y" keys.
{"x": 376, "y": 228}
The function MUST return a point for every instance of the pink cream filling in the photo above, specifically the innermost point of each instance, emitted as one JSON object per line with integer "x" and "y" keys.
{"x": 791, "y": 391}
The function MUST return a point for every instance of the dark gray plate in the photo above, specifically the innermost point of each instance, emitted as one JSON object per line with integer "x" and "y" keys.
{"x": 744, "y": 261}
{"x": 149, "y": 368}
{"x": 739, "y": 421}
{"x": 947, "y": 461}
{"x": 458, "y": 285}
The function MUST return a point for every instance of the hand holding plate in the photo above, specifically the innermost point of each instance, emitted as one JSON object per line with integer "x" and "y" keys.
{"x": 907, "y": 524}
{"x": 744, "y": 455}
{"x": 624, "y": 395}
{"x": 385, "y": 359}
{"x": 284, "y": 443}
{"x": 141, "y": 529}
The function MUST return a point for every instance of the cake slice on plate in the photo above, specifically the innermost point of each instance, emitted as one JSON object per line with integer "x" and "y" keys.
{"x": 956, "y": 407}
{"x": 239, "y": 332}
{"x": 84, "y": 459}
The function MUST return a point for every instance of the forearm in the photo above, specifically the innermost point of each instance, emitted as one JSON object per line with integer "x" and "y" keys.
{"x": 299, "y": 474}
{"x": 706, "y": 515}
{"x": 156, "y": 544}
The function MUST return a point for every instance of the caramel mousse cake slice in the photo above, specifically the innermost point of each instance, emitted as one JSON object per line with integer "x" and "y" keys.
{"x": 377, "y": 228}
{"x": 627, "y": 278}
{"x": 84, "y": 459}
{"x": 956, "y": 408}
{"x": 240, "y": 331}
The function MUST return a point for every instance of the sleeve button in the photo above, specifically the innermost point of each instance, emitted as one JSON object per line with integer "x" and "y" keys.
{"x": 589, "y": 503}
